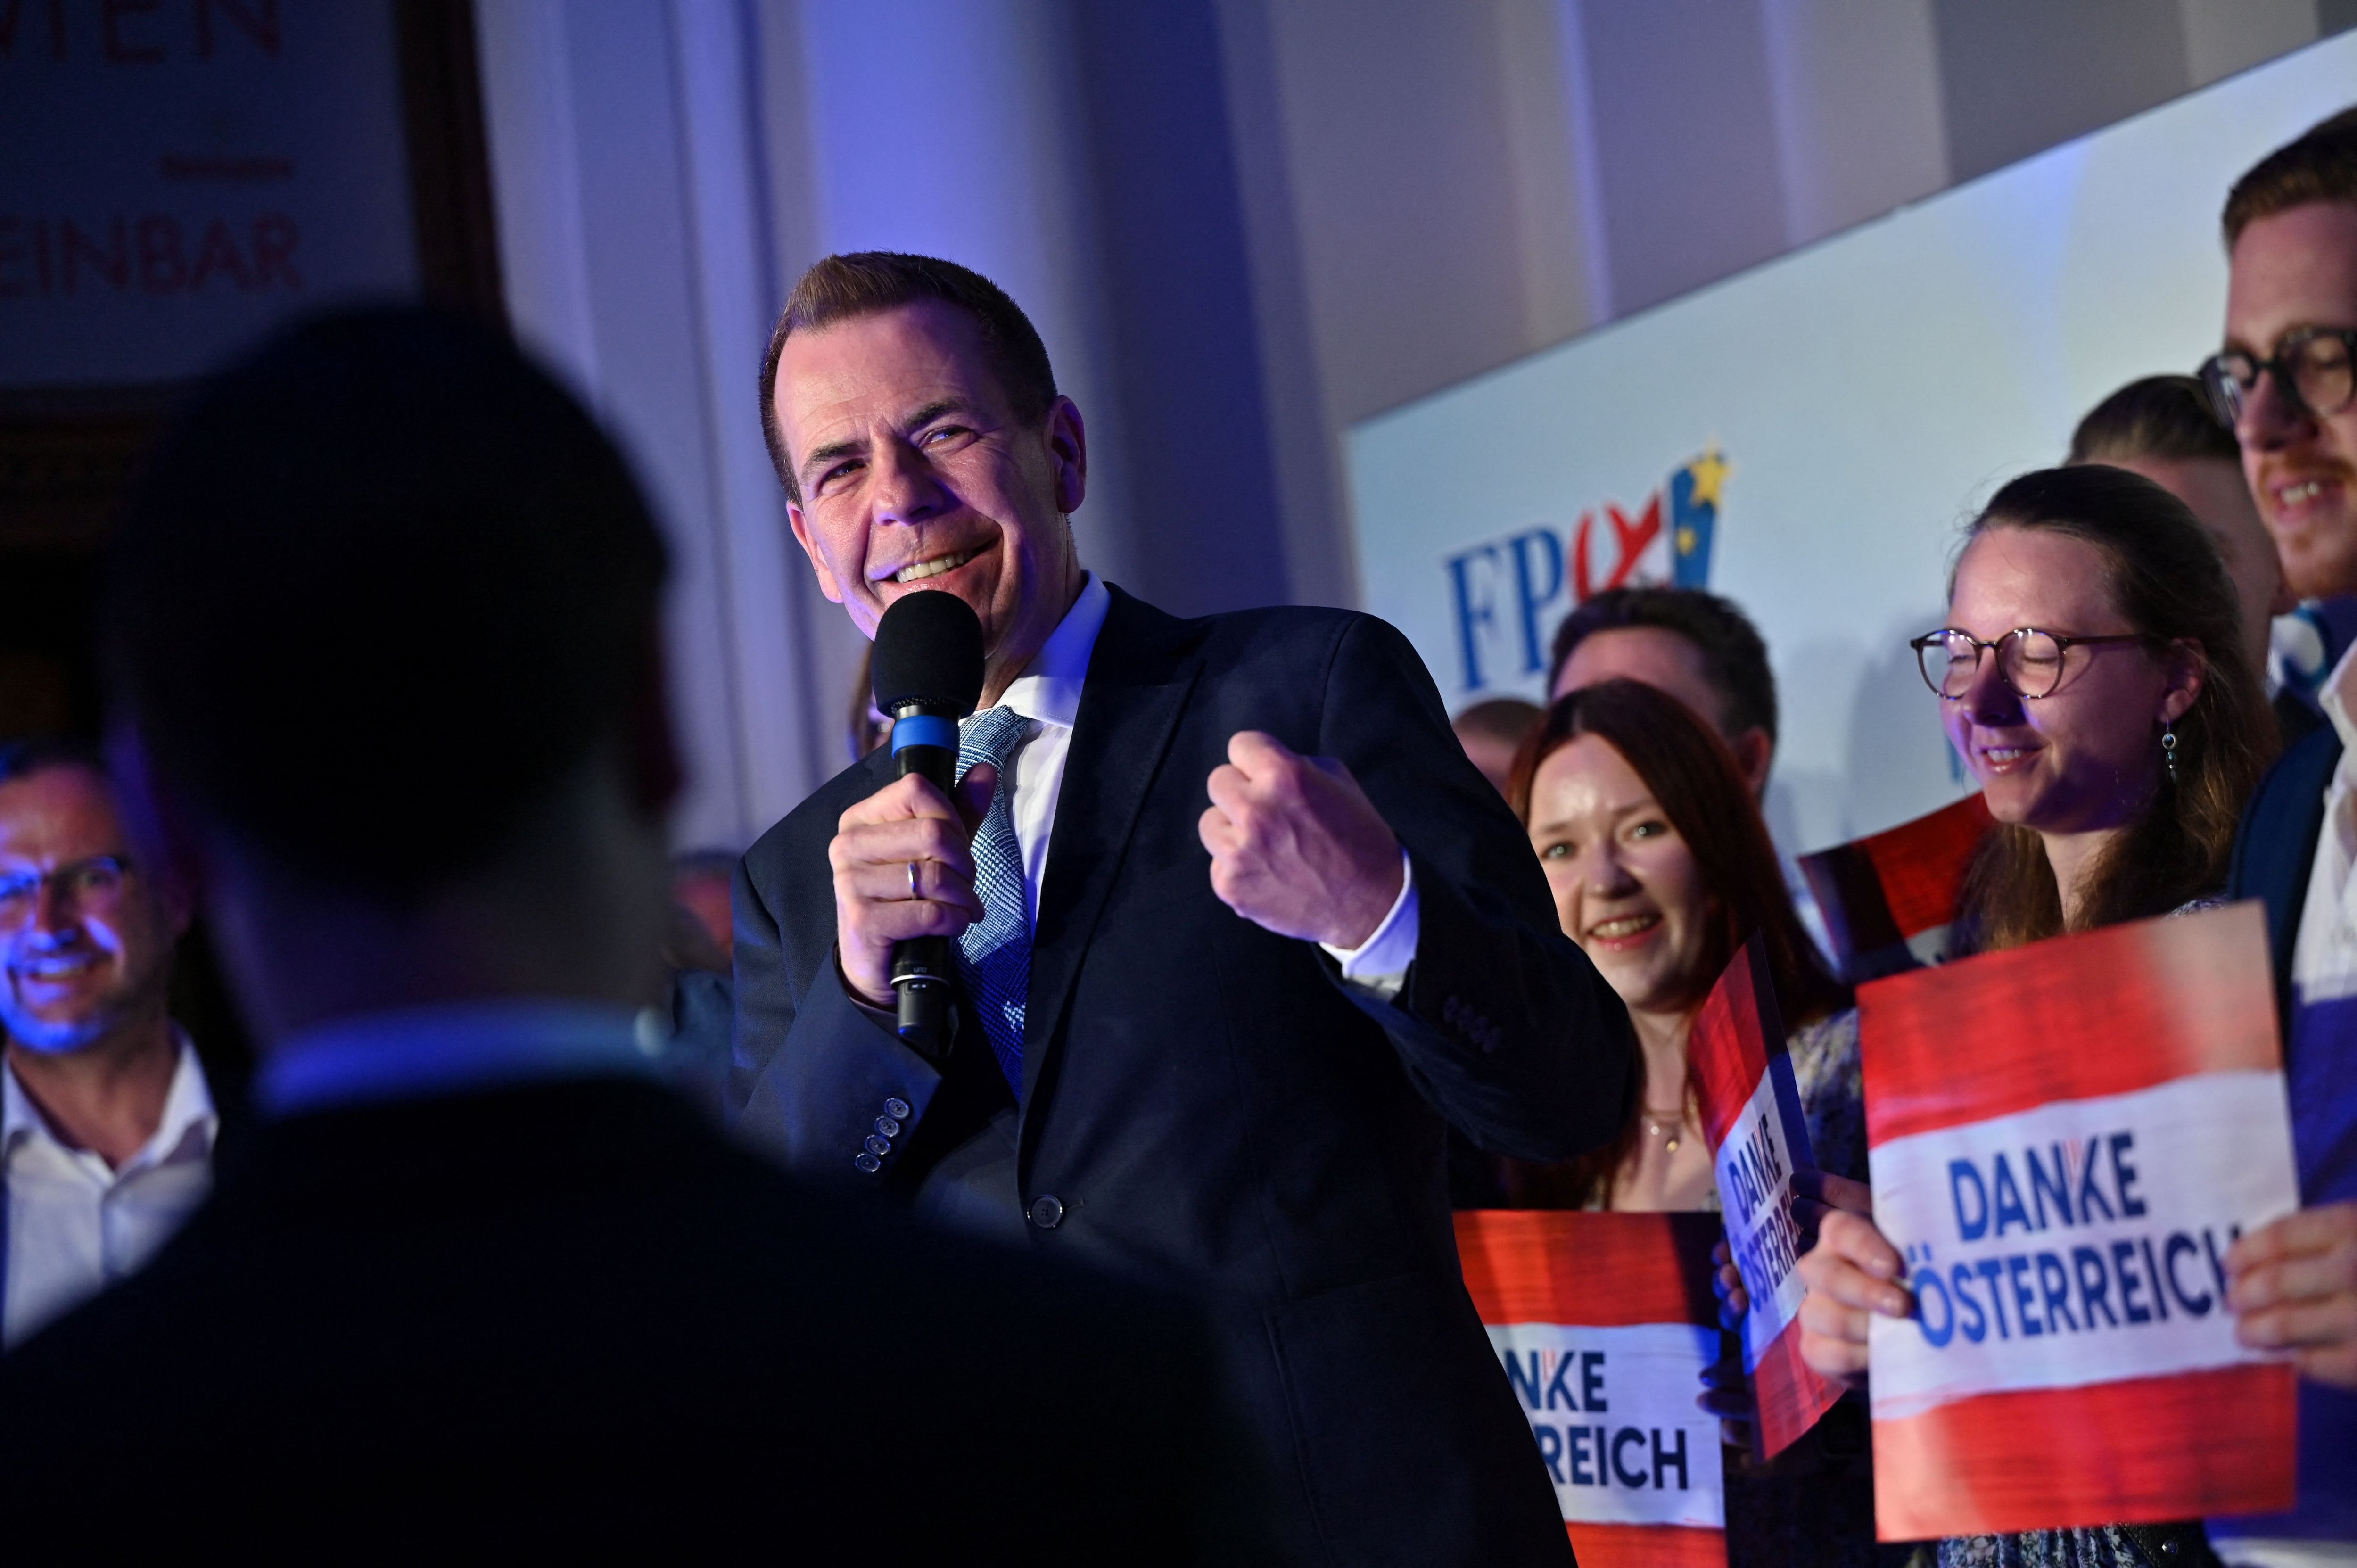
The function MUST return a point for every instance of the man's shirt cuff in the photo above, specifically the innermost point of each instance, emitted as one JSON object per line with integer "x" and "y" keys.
{"x": 888, "y": 1017}
{"x": 1380, "y": 964}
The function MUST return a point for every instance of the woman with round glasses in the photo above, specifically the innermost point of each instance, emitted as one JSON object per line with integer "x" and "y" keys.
{"x": 2092, "y": 677}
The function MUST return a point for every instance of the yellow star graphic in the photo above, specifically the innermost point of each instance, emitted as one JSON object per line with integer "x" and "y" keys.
{"x": 1686, "y": 540}
{"x": 1710, "y": 471}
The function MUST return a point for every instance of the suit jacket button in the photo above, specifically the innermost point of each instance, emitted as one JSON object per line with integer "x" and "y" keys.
{"x": 878, "y": 1146}
{"x": 897, "y": 1108}
{"x": 1046, "y": 1212}
{"x": 887, "y": 1126}
{"x": 867, "y": 1163}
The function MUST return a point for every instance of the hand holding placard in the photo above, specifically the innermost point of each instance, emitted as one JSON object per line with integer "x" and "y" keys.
{"x": 1850, "y": 1275}
{"x": 2292, "y": 1286}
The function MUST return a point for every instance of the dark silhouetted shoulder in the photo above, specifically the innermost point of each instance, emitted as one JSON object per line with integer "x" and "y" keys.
{"x": 567, "y": 1321}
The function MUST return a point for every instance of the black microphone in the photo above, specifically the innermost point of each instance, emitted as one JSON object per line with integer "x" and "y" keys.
{"x": 927, "y": 665}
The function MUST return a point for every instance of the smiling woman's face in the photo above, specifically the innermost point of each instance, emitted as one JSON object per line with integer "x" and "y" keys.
{"x": 1625, "y": 883}
{"x": 2088, "y": 755}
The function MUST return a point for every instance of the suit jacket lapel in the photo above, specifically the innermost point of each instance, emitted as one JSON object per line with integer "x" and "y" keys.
{"x": 1138, "y": 680}
{"x": 2307, "y": 772}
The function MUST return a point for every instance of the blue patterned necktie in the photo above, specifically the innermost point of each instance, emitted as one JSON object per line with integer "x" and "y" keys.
{"x": 994, "y": 953}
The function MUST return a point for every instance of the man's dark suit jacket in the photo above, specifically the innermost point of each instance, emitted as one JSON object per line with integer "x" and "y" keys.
{"x": 570, "y": 1322}
{"x": 2275, "y": 847}
{"x": 1208, "y": 1102}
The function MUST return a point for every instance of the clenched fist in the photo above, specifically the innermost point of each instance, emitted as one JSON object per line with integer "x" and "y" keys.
{"x": 903, "y": 867}
{"x": 1296, "y": 847}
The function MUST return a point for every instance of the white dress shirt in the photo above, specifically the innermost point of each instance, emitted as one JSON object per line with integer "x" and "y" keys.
{"x": 76, "y": 1225}
{"x": 2237, "y": 1552}
{"x": 2324, "y": 953}
{"x": 1047, "y": 693}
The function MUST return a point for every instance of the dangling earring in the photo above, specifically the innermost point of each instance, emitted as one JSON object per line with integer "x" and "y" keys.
{"x": 2168, "y": 748}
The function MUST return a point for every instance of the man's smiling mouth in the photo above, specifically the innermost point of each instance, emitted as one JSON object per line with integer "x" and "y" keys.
{"x": 917, "y": 571}
{"x": 56, "y": 966}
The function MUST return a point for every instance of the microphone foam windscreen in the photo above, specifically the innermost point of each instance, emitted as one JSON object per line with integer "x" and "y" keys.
{"x": 928, "y": 650}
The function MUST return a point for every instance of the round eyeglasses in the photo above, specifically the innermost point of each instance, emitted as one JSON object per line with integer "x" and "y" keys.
{"x": 94, "y": 885}
{"x": 2311, "y": 366}
{"x": 2027, "y": 659}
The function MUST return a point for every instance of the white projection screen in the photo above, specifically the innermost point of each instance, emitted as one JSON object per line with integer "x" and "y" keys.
{"x": 1864, "y": 394}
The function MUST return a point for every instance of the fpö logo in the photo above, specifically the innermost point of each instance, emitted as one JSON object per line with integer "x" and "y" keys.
{"x": 1502, "y": 593}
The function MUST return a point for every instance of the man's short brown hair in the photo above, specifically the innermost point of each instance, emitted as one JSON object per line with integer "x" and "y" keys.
{"x": 865, "y": 282}
{"x": 2320, "y": 165}
{"x": 2166, "y": 418}
{"x": 1734, "y": 657}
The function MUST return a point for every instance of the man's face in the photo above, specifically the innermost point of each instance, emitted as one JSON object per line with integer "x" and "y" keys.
{"x": 81, "y": 960}
{"x": 916, "y": 475}
{"x": 2299, "y": 269}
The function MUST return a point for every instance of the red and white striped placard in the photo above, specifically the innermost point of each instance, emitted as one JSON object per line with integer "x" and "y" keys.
{"x": 2064, "y": 1139}
{"x": 1889, "y": 898}
{"x": 1603, "y": 1323}
{"x": 1752, "y": 1121}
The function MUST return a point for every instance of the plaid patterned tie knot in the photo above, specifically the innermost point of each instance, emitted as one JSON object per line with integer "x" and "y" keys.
{"x": 994, "y": 953}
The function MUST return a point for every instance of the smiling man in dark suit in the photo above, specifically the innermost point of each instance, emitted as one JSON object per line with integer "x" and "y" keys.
{"x": 1242, "y": 932}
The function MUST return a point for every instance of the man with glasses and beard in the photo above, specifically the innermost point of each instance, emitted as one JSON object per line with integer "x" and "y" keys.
{"x": 106, "y": 1123}
{"x": 2283, "y": 382}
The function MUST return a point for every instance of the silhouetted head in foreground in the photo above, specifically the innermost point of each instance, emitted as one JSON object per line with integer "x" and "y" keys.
{"x": 383, "y": 644}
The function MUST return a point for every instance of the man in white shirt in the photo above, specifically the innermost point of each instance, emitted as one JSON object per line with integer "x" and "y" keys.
{"x": 106, "y": 1123}
{"x": 2284, "y": 379}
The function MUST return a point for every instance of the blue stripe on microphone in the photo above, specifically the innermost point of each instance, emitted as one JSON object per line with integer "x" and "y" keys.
{"x": 924, "y": 729}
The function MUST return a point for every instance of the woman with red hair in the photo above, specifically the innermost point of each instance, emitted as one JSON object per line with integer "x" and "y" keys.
{"x": 1661, "y": 868}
